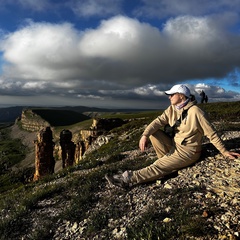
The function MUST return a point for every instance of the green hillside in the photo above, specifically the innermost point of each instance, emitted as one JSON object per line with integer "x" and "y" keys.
{"x": 77, "y": 202}
{"x": 223, "y": 111}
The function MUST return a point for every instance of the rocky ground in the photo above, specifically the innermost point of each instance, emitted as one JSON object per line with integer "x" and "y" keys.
{"x": 212, "y": 183}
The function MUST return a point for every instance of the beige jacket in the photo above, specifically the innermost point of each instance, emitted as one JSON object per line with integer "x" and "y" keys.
{"x": 192, "y": 128}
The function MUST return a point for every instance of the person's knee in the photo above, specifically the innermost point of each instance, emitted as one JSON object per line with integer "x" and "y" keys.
{"x": 159, "y": 137}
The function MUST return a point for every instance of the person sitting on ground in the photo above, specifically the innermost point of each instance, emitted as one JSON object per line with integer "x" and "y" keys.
{"x": 190, "y": 124}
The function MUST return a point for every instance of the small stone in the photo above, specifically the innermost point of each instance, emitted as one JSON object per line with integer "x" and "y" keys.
{"x": 236, "y": 234}
{"x": 196, "y": 183}
{"x": 205, "y": 214}
{"x": 167, "y": 186}
{"x": 114, "y": 232}
{"x": 61, "y": 229}
{"x": 166, "y": 220}
{"x": 234, "y": 201}
{"x": 208, "y": 195}
{"x": 158, "y": 182}
{"x": 168, "y": 209}
{"x": 217, "y": 227}
{"x": 74, "y": 227}
{"x": 196, "y": 175}
{"x": 81, "y": 230}
{"x": 231, "y": 237}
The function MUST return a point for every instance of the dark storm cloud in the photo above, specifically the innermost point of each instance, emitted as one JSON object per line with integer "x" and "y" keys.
{"x": 122, "y": 58}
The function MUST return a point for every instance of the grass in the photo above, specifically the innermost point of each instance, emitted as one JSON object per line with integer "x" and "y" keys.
{"x": 12, "y": 152}
{"x": 19, "y": 203}
{"x": 185, "y": 218}
{"x": 223, "y": 111}
{"x": 76, "y": 196}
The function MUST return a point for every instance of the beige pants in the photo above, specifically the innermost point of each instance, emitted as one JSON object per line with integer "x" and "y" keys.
{"x": 171, "y": 157}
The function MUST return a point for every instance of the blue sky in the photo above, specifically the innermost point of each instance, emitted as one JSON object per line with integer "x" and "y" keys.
{"x": 117, "y": 53}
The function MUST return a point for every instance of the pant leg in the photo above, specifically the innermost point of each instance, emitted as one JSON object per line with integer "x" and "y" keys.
{"x": 161, "y": 142}
{"x": 180, "y": 157}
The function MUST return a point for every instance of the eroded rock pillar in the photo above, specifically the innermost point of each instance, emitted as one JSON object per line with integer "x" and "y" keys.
{"x": 44, "y": 160}
{"x": 67, "y": 147}
{"x": 79, "y": 151}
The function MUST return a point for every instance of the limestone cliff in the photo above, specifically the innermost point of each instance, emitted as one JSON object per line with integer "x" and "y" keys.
{"x": 31, "y": 121}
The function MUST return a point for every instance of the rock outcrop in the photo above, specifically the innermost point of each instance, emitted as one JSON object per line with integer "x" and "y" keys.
{"x": 73, "y": 151}
{"x": 69, "y": 152}
{"x": 44, "y": 160}
{"x": 32, "y": 122}
{"x": 100, "y": 127}
{"x": 67, "y": 148}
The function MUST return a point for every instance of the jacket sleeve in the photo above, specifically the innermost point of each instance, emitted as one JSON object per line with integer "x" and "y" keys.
{"x": 211, "y": 134}
{"x": 157, "y": 123}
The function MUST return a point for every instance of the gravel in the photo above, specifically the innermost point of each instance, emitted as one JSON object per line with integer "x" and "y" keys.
{"x": 212, "y": 183}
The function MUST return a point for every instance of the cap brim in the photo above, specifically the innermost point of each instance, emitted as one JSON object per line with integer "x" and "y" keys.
{"x": 169, "y": 92}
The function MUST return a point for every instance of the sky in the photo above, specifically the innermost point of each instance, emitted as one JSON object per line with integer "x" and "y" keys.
{"x": 117, "y": 53}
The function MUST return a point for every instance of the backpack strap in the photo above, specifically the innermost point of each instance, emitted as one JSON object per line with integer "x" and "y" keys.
{"x": 183, "y": 115}
{"x": 170, "y": 131}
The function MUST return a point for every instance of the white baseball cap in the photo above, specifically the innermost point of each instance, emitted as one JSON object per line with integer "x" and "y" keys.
{"x": 179, "y": 88}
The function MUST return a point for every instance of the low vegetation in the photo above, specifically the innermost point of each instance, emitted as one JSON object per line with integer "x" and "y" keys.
{"x": 74, "y": 194}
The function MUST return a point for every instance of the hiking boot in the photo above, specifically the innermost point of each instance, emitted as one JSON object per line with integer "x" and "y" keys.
{"x": 121, "y": 180}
